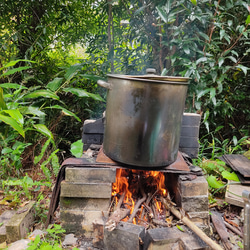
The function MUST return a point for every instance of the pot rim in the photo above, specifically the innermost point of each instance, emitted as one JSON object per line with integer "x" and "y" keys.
{"x": 151, "y": 78}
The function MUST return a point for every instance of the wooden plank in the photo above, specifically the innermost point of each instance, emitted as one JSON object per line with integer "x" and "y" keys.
{"x": 238, "y": 163}
{"x": 234, "y": 194}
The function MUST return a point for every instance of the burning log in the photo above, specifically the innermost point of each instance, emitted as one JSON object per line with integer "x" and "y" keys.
{"x": 117, "y": 216}
{"x": 139, "y": 202}
{"x": 191, "y": 225}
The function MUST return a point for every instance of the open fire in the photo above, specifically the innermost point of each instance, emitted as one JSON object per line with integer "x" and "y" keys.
{"x": 136, "y": 198}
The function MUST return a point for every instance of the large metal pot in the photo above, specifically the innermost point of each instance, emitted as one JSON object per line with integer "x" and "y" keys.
{"x": 143, "y": 119}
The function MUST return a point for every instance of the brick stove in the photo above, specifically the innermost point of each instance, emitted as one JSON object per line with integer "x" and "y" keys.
{"x": 86, "y": 194}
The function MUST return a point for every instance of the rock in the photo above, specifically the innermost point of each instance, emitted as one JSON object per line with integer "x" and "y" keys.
{"x": 70, "y": 240}
{"x": 19, "y": 245}
{"x": 36, "y": 232}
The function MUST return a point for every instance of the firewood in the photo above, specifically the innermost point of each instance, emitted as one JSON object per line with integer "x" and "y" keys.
{"x": 117, "y": 215}
{"x": 160, "y": 223}
{"x": 233, "y": 229}
{"x": 191, "y": 225}
{"x": 139, "y": 202}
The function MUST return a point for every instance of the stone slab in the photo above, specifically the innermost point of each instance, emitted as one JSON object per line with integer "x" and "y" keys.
{"x": 189, "y": 142}
{"x": 18, "y": 226}
{"x": 88, "y": 190}
{"x": 125, "y": 236}
{"x": 195, "y": 187}
{"x": 191, "y": 119}
{"x": 162, "y": 238}
{"x": 195, "y": 204}
{"x": 90, "y": 175}
{"x": 81, "y": 222}
{"x": 172, "y": 238}
{"x": 87, "y": 204}
{"x": 4, "y": 218}
{"x": 190, "y": 131}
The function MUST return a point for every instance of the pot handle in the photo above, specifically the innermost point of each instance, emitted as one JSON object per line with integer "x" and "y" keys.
{"x": 104, "y": 84}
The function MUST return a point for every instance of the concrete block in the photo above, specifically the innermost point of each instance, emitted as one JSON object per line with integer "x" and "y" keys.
{"x": 88, "y": 190}
{"x": 191, "y": 119}
{"x": 90, "y": 175}
{"x": 126, "y": 236}
{"x": 18, "y": 226}
{"x": 196, "y": 187}
{"x": 189, "y": 142}
{"x": 190, "y": 131}
{"x": 172, "y": 239}
{"x": 195, "y": 204}
{"x": 162, "y": 238}
{"x": 87, "y": 204}
{"x": 4, "y": 218}
{"x": 81, "y": 222}
{"x": 193, "y": 242}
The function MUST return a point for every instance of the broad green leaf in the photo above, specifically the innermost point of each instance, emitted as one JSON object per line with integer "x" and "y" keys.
{"x": 43, "y": 130}
{"x": 194, "y": 2}
{"x": 230, "y": 176}
{"x": 202, "y": 59}
{"x": 202, "y": 93}
{"x": 220, "y": 61}
{"x": 218, "y": 128}
{"x": 12, "y": 86}
{"x": 96, "y": 97}
{"x": 13, "y": 123}
{"x": 13, "y": 71}
{"x": 66, "y": 112}
{"x": 15, "y": 114}
{"x": 77, "y": 148}
{"x": 33, "y": 111}
{"x": 55, "y": 84}
{"x": 248, "y": 19}
{"x": 13, "y": 63}
{"x": 243, "y": 68}
{"x": 206, "y": 115}
{"x": 42, "y": 93}
{"x": 164, "y": 72}
{"x": 162, "y": 13}
{"x": 186, "y": 50}
{"x": 78, "y": 92}
{"x": 2, "y": 102}
{"x": 232, "y": 59}
{"x": 72, "y": 71}
{"x": 222, "y": 34}
{"x": 213, "y": 182}
{"x": 235, "y": 140}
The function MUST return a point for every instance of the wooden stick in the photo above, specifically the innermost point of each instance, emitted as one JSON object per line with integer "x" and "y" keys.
{"x": 191, "y": 225}
{"x": 233, "y": 229}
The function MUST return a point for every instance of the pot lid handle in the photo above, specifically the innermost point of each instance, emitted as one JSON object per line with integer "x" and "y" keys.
{"x": 151, "y": 71}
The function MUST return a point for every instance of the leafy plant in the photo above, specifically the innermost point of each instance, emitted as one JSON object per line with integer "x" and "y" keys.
{"x": 77, "y": 148}
{"x": 51, "y": 240}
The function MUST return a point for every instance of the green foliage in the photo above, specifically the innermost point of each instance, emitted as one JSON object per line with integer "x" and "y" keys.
{"x": 77, "y": 148}
{"x": 22, "y": 186}
{"x": 216, "y": 172}
{"x": 51, "y": 240}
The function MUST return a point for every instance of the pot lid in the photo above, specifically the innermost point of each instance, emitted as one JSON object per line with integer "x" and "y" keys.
{"x": 152, "y": 77}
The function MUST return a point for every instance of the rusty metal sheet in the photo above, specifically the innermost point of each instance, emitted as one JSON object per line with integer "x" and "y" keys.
{"x": 238, "y": 163}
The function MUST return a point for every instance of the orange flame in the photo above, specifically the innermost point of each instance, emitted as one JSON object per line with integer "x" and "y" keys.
{"x": 127, "y": 181}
